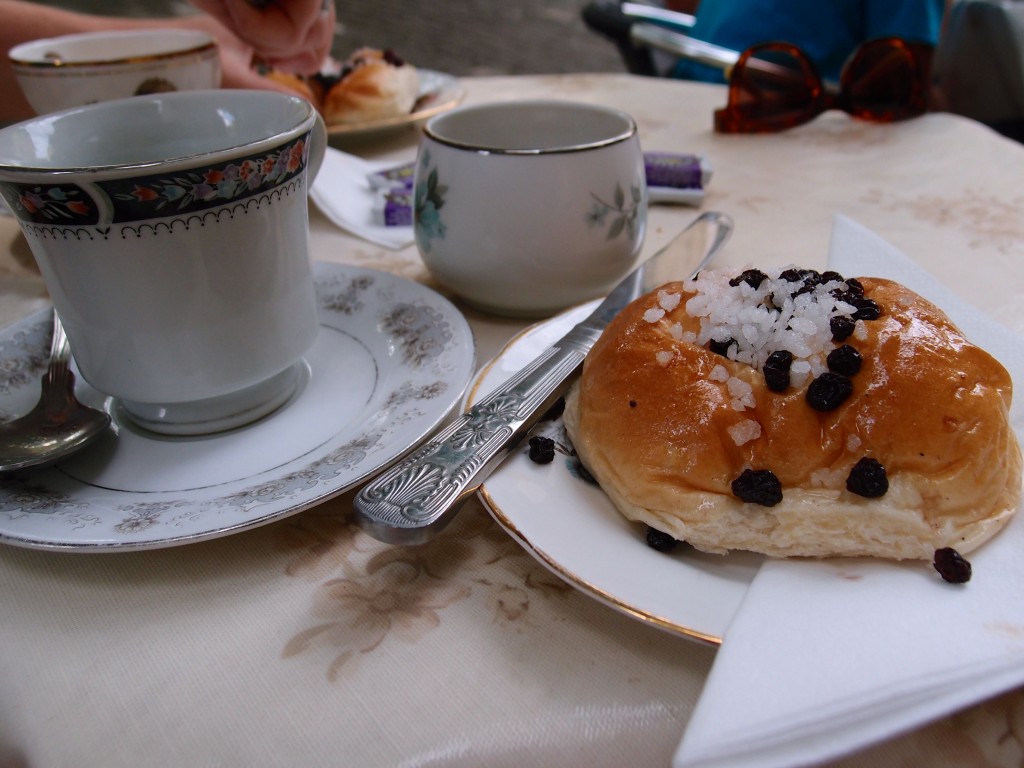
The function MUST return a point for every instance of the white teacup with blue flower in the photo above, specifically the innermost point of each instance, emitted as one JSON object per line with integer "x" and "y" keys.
{"x": 172, "y": 233}
{"x": 525, "y": 208}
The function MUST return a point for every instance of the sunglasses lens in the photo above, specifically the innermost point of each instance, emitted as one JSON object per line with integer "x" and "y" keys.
{"x": 887, "y": 80}
{"x": 772, "y": 87}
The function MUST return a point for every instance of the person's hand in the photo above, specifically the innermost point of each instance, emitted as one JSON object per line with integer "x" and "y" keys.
{"x": 236, "y": 56}
{"x": 293, "y": 35}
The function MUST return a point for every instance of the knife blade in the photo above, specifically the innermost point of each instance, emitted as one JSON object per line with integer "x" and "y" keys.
{"x": 415, "y": 499}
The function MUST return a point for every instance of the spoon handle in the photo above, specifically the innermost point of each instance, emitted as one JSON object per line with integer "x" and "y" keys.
{"x": 59, "y": 379}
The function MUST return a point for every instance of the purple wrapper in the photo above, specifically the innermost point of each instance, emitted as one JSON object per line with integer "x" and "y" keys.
{"x": 398, "y": 209}
{"x": 665, "y": 169}
{"x": 400, "y": 177}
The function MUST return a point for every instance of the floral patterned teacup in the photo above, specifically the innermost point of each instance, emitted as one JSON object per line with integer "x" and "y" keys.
{"x": 61, "y": 72}
{"x": 172, "y": 234}
{"x": 525, "y": 208}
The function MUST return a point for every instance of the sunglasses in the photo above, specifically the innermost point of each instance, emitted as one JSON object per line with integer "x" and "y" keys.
{"x": 774, "y": 86}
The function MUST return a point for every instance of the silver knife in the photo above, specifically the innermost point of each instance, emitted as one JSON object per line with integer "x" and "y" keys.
{"x": 416, "y": 498}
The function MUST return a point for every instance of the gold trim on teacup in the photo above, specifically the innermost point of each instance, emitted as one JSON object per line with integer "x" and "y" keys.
{"x": 24, "y": 174}
{"x": 626, "y": 134}
{"x": 485, "y": 150}
{"x": 53, "y": 60}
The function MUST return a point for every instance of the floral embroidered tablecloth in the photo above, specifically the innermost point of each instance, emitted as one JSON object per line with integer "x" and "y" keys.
{"x": 306, "y": 642}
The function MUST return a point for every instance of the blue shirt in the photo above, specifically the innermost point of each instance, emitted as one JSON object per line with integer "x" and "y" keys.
{"x": 827, "y": 30}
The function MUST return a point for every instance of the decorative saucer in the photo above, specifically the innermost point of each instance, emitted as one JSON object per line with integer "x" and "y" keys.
{"x": 568, "y": 524}
{"x": 391, "y": 359}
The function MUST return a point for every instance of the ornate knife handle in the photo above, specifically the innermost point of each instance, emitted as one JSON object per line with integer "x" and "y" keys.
{"x": 411, "y": 502}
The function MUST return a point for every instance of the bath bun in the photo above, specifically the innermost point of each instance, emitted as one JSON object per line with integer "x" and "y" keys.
{"x": 666, "y": 426}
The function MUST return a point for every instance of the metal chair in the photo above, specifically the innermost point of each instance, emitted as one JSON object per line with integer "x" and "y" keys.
{"x": 979, "y": 63}
{"x": 978, "y": 70}
{"x": 651, "y": 39}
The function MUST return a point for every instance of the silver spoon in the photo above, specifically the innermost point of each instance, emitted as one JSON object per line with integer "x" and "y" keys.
{"x": 58, "y": 425}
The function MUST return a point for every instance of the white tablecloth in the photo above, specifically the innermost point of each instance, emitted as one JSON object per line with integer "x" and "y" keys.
{"x": 307, "y": 643}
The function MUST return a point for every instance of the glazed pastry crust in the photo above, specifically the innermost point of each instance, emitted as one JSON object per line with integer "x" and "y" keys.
{"x": 930, "y": 406}
{"x": 374, "y": 89}
{"x": 296, "y": 83}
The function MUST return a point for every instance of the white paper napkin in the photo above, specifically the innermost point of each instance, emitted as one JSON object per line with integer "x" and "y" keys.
{"x": 342, "y": 191}
{"x": 826, "y": 657}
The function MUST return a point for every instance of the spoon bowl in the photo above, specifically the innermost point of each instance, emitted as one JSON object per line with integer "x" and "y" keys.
{"x": 59, "y": 424}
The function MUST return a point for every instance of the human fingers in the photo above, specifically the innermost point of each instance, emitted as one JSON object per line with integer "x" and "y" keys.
{"x": 299, "y": 32}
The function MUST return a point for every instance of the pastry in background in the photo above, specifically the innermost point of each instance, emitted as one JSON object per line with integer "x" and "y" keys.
{"x": 369, "y": 85}
{"x": 373, "y": 85}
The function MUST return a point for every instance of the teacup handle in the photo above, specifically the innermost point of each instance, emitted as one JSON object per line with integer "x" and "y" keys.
{"x": 317, "y": 149}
